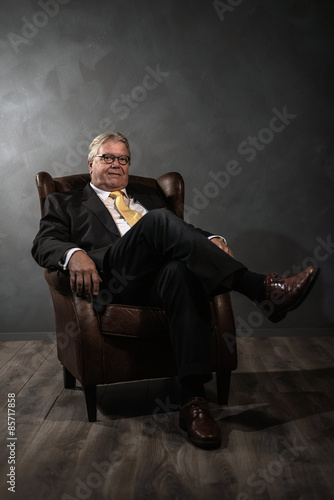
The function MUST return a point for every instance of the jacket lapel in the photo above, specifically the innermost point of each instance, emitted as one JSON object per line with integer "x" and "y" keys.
{"x": 91, "y": 201}
{"x": 148, "y": 197}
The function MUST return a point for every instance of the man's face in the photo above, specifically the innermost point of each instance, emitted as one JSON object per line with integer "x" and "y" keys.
{"x": 110, "y": 177}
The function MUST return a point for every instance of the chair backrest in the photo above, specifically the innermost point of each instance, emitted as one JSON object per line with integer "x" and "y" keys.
{"x": 171, "y": 185}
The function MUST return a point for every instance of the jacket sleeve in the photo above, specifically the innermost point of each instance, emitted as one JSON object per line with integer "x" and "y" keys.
{"x": 53, "y": 237}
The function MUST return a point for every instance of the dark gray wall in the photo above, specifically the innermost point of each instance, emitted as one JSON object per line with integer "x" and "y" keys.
{"x": 236, "y": 96}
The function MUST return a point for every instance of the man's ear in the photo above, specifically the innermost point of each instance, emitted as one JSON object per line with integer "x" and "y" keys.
{"x": 90, "y": 166}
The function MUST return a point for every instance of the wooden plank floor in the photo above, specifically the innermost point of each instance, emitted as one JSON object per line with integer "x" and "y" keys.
{"x": 278, "y": 430}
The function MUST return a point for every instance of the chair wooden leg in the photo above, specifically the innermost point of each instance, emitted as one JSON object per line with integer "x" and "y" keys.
{"x": 90, "y": 396}
{"x": 69, "y": 379}
{"x": 223, "y": 378}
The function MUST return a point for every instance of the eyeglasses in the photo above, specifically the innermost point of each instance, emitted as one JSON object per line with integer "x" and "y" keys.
{"x": 109, "y": 159}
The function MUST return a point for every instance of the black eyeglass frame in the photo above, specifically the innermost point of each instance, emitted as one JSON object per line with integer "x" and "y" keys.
{"x": 114, "y": 158}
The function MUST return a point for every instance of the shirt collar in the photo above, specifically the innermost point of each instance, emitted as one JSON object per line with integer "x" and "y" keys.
{"x": 105, "y": 194}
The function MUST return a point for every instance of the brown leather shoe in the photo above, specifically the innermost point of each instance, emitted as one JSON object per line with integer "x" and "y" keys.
{"x": 196, "y": 419}
{"x": 285, "y": 293}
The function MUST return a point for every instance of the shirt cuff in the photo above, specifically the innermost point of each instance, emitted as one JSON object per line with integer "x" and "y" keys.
{"x": 68, "y": 256}
{"x": 220, "y": 237}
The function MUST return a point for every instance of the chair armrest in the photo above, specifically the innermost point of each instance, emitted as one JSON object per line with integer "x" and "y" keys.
{"x": 59, "y": 281}
{"x": 79, "y": 340}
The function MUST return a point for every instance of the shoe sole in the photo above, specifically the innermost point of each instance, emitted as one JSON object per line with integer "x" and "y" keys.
{"x": 205, "y": 445}
{"x": 275, "y": 318}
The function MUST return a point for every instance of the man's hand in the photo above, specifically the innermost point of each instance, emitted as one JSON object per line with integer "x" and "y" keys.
{"x": 221, "y": 244}
{"x": 84, "y": 278}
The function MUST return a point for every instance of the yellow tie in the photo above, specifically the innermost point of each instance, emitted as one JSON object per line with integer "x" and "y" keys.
{"x": 131, "y": 216}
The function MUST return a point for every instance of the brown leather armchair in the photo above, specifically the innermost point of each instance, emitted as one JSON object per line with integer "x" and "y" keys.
{"x": 126, "y": 343}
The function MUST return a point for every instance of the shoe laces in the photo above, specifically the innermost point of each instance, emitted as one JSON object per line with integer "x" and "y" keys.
{"x": 199, "y": 408}
{"x": 276, "y": 278}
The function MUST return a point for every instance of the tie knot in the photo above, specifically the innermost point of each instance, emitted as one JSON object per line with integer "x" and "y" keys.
{"x": 116, "y": 194}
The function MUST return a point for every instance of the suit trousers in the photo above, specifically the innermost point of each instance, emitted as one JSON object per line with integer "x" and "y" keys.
{"x": 163, "y": 261}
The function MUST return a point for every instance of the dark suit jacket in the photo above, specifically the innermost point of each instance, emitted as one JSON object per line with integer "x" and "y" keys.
{"x": 80, "y": 219}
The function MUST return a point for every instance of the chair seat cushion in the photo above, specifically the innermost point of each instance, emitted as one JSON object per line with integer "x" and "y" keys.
{"x": 134, "y": 321}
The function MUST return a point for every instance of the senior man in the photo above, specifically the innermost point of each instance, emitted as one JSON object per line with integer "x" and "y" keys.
{"x": 114, "y": 226}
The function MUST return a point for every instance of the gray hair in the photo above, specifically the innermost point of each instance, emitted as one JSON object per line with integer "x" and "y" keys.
{"x": 101, "y": 139}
